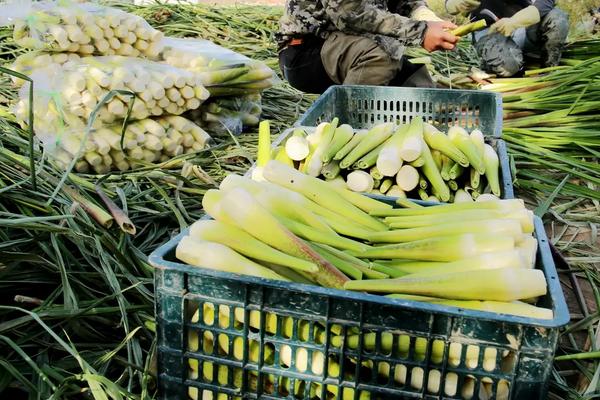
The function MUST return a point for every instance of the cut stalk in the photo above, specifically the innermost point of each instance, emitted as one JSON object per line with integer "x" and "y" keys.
{"x": 395, "y": 191}
{"x": 376, "y": 174}
{"x": 461, "y": 139}
{"x": 462, "y": 196}
{"x": 386, "y": 184}
{"x": 331, "y": 170}
{"x": 245, "y": 244}
{"x": 359, "y": 181}
{"x": 464, "y": 30}
{"x": 498, "y": 307}
{"x": 389, "y": 160}
{"x": 366, "y": 268}
{"x": 375, "y": 137}
{"x": 364, "y": 203}
{"x": 369, "y": 159}
{"x": 418, "y": 163}
{"x": 314, "y": 235}
{"x": 342, "y": 135}
{"x": 432, "y": 173}
{"x": 505, "y": 227}
{"x": 347, "y": 268}
{"x": 412, "y": 143}
{"x": 238, "y": 208}
{"x": 318, "y": 191}
{"x": 297, "y": 147}
{"x": 456, "y": 171}
{"x": 441, "y": 248}
{"x": 504, "y": 259}
{"x": 447, "y": 164}
{"x": 281, "y": 156}
{"x": 491, "y": 161}
{"x": 314, "y": 161}
{"x": 506, "y": 206}
{"x": 217, "y": 256}
{"x": 407, "y": 178}
{"x": 505, "y": 284}
{"x": 401, "y": 222}
{"x": 356, "y": 139}
{"x": 474, "y": 178}
{"x": 264, "y": 150}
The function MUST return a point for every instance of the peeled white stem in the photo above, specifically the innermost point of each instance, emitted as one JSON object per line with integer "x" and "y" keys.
{"x": 407, "y": 178}
{"x": 462, "y": 196}
{"x": 360, "y": 181}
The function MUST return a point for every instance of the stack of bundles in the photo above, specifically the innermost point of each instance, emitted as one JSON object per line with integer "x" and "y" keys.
{"x": 95, "y": 66}
{"x": 65, "y": 97}
{"x": 233, "y": 80}
{"x": 83, "y": 28}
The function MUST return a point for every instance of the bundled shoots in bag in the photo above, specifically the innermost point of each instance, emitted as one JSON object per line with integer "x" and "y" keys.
{"x": 28, "y": 62}
{"x": 85, "y": 28}
{"x": 107, "y": 148}
{"x": 78, "y": 86}
{"x": 224, "y": 72}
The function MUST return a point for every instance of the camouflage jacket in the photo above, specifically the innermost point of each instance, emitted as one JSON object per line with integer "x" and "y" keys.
{"x": 385, "y": 21}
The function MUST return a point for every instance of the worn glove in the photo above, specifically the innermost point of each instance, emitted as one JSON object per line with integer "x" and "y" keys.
{"x": 424, "y": 14}
{"x": 461, "y": 6}
{"x": 523, "y": 19}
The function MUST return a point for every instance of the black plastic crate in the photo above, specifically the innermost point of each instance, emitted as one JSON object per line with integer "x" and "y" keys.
{"x": 260, "y": 322}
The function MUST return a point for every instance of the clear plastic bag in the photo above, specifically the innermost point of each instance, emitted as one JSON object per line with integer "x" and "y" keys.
{"x": 224, "y": 72}
{"x": 146, "y": 141}
{"x": 28, "y": 62}
{"x": 75, "y": 89}
{"x": 225, "y": 115}
{"x": 85, "y": 28}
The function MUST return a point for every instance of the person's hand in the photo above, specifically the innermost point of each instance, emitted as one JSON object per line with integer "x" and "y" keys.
{"x": 461, "y": 6}
{"x": 437, "y": 36}
{"x": 523, "y": 19}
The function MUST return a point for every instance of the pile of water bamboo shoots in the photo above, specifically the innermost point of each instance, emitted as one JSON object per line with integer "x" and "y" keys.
{"x": 415, "y": 160}
{"x": 293, "y": 227}
{"x": 287, "y": 208}
{"x": 83, "y": 28}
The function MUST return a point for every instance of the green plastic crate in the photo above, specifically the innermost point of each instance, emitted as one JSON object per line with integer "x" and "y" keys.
{"x": 506, "y": 179}
{"x": 518, "y": 351}
{"x": 365, "y": 106}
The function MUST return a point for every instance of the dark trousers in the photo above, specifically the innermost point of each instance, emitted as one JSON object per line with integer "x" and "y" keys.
{"x": 302, "y": 67}
{"x": 350, "y": 60}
